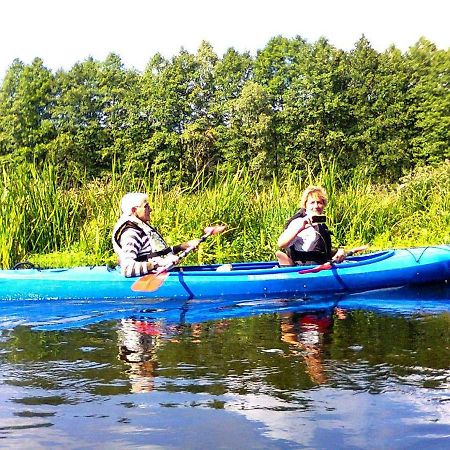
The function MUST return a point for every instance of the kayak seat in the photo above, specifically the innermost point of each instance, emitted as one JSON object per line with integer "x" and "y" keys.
{"x": 24, "y": 265}
{"x": 224, "y": 268}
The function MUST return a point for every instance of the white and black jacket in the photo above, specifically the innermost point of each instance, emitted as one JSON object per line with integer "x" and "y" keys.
{"x": 135, "y": 243}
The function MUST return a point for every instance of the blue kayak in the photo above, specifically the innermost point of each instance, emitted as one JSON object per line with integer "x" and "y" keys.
{"x": 384, "y": 269}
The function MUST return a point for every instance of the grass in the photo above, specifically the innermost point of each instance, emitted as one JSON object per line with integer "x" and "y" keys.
{"x": 48, "y": 221}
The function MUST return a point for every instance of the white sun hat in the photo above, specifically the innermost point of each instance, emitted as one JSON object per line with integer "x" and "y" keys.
{"x": 132, "y": 200}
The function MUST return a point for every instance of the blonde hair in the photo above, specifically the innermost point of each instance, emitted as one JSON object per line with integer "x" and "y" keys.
{"x": 316, "y": 192}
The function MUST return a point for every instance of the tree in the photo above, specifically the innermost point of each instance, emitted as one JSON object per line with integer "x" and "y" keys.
{"x": 78, "y": 118}
{"x": 165, "y": 87}
{"x": 362, "y": 94}
{"x": 392, "y": 155}
{"x": 429, "y": 103}
{"x": 315, "y": 113}
{"x": 231, "y": 73}
{"x": 251, "y": 130}
{"x": 96, "y": 114}
{"x": 123, "y": 114}
{"x": 179, "y": 96}
{"x": 26, "y": 100}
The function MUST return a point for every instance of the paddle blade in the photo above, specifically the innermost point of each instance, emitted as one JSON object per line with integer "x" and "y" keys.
{"x": 216, "y": 229}
{"x": 153, "y": 281}
{"x": 150, "y": 282}
{"x": 326, "y": 266}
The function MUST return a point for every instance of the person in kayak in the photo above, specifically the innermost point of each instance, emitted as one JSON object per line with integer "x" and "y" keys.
{"x": 139, "y": 246}
{"x": 306, "y": 239}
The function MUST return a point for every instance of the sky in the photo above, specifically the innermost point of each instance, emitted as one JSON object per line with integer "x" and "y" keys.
{"x": 64, "y": 32}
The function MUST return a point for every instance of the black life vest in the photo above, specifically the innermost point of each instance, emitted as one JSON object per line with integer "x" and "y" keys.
{"x": 322, "y": 250}
{"x": 129, "y": 224}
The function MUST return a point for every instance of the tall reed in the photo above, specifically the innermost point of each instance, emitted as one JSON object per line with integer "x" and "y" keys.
{"x": 45, "y": 219}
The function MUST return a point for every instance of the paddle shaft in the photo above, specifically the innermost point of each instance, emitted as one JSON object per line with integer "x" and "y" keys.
{"x": 184, "y": 253}
{"x": 153, "y": 281}
{"x": 190, "y": 249}
{"x": 329, "y": 264}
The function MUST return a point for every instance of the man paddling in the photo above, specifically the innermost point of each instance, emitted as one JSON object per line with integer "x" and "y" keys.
{"x": 139, "y": 246}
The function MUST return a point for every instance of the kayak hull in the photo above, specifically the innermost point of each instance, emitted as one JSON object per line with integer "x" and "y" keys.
{"x": 385, "y": 269}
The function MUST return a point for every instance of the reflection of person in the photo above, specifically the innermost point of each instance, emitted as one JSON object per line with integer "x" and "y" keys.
{"x": 138, "y": 341}
{"x": 305, "y": 241}
{"x": 305, "y": 332}
{"x": 139, "y": 246}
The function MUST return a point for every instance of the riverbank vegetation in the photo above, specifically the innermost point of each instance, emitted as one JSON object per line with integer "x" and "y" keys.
{"x": 231, "y": 139}
{"x": 46, "y": 220}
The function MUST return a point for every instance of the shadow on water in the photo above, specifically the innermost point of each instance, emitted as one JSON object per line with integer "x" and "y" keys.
{"x": 273, "y": 373}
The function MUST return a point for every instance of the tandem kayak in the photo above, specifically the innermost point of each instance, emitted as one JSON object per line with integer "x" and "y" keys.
{"x": 378, "y": 270}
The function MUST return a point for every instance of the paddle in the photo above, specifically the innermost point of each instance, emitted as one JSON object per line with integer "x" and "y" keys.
{"x": 153, "y": 281}
{"x": 330, "y": 264}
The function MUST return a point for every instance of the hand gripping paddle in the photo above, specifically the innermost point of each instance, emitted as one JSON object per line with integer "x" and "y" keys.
{"x": 330, "y": 264}
{"x": 152, "y": 281}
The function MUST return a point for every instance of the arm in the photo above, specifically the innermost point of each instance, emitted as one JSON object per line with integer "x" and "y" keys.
{"x": 290, "y": 233}
{"x": 185, "y": 245}
{"x": 338, "y": 255}
{"x": 131, "y": 247}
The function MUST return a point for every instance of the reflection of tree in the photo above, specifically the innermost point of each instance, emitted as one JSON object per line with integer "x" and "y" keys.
{"x": 138, "y": 341}
{"x": 305, "y": 332}
{"x": 203, "y": 331}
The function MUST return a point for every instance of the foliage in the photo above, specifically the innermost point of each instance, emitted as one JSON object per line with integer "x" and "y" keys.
{"x": 234, "y": 139}
{"x": 275, "y": 113}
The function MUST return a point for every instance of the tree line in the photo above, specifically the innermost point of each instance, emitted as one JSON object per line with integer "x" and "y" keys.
{"x": 293, "y": 105}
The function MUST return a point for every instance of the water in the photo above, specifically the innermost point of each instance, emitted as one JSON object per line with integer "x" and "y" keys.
{"x": 364, "y": 371}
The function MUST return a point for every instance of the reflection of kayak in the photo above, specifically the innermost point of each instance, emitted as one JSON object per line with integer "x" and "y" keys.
{"x": 403, "y": 300}
{"x": 69, "y": 314}
{"x": 391, "y": 268}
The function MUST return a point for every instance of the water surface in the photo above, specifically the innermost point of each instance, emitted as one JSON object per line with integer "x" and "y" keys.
{"x": 360, "y": 371}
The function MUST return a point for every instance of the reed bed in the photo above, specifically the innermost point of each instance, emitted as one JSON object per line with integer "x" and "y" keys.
{"x": 46, "y": 219}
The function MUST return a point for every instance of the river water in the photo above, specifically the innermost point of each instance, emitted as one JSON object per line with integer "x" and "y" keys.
{"x": 369, "y": 371}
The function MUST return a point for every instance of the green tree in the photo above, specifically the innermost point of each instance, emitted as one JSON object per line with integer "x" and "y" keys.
{"x": 251, "y": 130}
{"x": 294, "y": 105}
{"x": 198, "y": 137}
{"x": 179, "y": 96}
{"x": 231, "y": 73}
{"x": 362, "y": 94}
{"x": 429, "y": 102}
{"x": 97, "y": 116}
{"x": 277, "y": 67}
{"x": 165, "y": 87}
{"x": 123, "y": 115}
{"x": 392, "y": 155}
{"x": 79, "y": 120}
{"x": 27, "y": 96}
{"x": 315, "y": 115}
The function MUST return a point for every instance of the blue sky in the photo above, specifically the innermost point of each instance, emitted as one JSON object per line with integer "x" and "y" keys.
{"x": 63, "y": 32}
